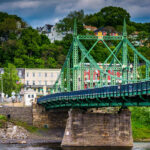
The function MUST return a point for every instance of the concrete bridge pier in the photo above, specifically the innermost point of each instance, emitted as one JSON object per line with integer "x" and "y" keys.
{"x": 85, "y": 128}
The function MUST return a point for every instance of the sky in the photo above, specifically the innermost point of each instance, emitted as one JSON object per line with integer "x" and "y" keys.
{"x": 40, "y": 12}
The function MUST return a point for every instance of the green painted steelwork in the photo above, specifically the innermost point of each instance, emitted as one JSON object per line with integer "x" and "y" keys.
{"x": 72, "y": 78}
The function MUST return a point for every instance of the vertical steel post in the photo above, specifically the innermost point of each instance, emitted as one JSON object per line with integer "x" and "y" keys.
{"x": 68, "y": 75}
{"x": 124, "y": 54}
{"x": 91, "y": 76}
{"x": 62, "y": 81}
{"x": 82, "y": 72}
{"x": 114, "y": 66}
{"x": 75, "y": 58}
{"x": 147, "y": 71}
{"x": 135, "y": 68}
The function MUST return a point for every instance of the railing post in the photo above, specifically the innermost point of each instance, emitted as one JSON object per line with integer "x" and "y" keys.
{"x": 147, "y": 71}
{"x": 91, "y": 76}
{"x": 135, "y": 68}
{"x": 82, "y": 72}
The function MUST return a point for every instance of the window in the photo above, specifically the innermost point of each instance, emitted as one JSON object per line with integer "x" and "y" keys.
{"x": 39, "y": 74}
{"x": 39, "y": 82}
{"x": 20, "y": 73}
{"x": 33, "y": 74}
{"x": 52, "y": 75}
{"x": 28, "y": 96}
{"x": 45, "y": 74}
{"x": 27, "y": 82}
{"x": 38, "y": 89}
{"x": 33, "y": 82}
{"x": 27, "y": 74}
{"x": 34, "y": 89}
{"x": 32, "y": 96}
{"x": 45, "y": 82}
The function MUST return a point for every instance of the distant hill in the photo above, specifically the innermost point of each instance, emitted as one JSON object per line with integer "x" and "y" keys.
{"x": 23, "y": 46}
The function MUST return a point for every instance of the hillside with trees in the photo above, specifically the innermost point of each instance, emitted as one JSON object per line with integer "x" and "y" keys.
{"x": 23, "y": 46}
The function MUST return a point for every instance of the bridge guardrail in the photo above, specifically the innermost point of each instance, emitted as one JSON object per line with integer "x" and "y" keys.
{"x": 104, "y": 92}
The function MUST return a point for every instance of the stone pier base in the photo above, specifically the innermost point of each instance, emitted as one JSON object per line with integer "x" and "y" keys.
{"x": 98, "y": 129}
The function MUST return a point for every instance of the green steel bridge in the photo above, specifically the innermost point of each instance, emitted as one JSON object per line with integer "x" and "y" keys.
{"x": 131, "y": 88}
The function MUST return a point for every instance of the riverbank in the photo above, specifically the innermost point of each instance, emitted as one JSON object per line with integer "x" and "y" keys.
{"x": 16, "y": 132}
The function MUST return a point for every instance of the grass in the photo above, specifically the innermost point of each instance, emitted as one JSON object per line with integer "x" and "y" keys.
{"x": 3, "y": 121}
{"x": 30, "y": 128}
{"x": 140, "y": 118}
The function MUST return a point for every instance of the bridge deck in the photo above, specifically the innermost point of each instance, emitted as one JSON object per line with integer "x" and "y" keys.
{"x": 136, "y": 94}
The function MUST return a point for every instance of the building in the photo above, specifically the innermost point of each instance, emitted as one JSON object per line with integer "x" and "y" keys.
{"x": 29, "y": 97}
{"x": 90, "y": 28}
{"x": 36, "y": 83}
{"x": 51, "y": 32}
{"x": 108, "y": 30}
{"x": 40, "y": 80}
{"x": 136, "y": 41}
{"x": 96, "y": 74}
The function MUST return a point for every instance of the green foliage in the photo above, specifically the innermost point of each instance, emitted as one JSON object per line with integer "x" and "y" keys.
{"x": 2, "y": 117}
{"x": 108, "y": 16}
{"x": 140, "y": 117}
{"x": 26, "y": 48}
{"x": 3, "y": 121}
{"x": 10, "y": 79}
{"x": 67, "y": 23}
{"x": 130, "y": 29}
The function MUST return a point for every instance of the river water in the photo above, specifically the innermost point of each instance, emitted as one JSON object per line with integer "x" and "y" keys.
{"x": 137, "y": 146}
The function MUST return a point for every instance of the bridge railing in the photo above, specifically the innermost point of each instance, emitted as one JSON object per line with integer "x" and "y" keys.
{"x": 134, "y": 89}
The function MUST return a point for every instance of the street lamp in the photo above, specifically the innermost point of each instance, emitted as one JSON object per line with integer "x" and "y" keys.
{"x": 1, "y": 77}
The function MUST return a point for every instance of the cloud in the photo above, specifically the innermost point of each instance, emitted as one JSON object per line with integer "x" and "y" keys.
{"x": 140, "y": 9}
{"x": 38, "y": 23}
{"x": 45, "y": 11}
{"x": 19, "y": 4}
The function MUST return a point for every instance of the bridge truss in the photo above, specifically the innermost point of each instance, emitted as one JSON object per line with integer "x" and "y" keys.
{"x": 71, "y": 77}
{"x": 130, "y": 88}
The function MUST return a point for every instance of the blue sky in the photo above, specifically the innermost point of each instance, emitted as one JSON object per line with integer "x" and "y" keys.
{"x": 40, "y": 12}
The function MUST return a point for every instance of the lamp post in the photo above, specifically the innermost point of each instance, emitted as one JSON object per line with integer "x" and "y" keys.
{"x": 1, "y": 77}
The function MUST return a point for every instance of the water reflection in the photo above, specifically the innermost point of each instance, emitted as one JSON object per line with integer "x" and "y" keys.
{"x": 97, "y": 148}
{"x": 137, "y": 146}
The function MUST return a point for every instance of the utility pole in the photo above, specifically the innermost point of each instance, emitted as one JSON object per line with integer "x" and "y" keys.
{"x": 1, "y": 77}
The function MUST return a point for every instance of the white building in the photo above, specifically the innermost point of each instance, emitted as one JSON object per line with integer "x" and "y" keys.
{"x": 40, "y": 80}
{"x": 51, "y": 32}
{"x": 29, "y": 97}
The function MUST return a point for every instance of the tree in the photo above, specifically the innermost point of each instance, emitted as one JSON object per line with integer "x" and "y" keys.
{"x": 108, "y": 16}
{"x": 130, "y": 29}
{"x": 67, "y": 23}
{"x": 11, "y": 80}
{"x": 114, "y": 15}
{"x": 32, "y": 41}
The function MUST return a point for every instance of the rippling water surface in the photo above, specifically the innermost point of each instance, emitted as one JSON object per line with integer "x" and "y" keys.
{"x": 137, "y": 146}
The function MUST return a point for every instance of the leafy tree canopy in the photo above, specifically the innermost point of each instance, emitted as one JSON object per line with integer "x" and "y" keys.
{"x": 25, "y": 47}
{"x": 11, "y": 80}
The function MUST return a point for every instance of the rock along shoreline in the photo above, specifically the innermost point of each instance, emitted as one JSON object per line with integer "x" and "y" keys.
{"x": 13, "y": 134}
